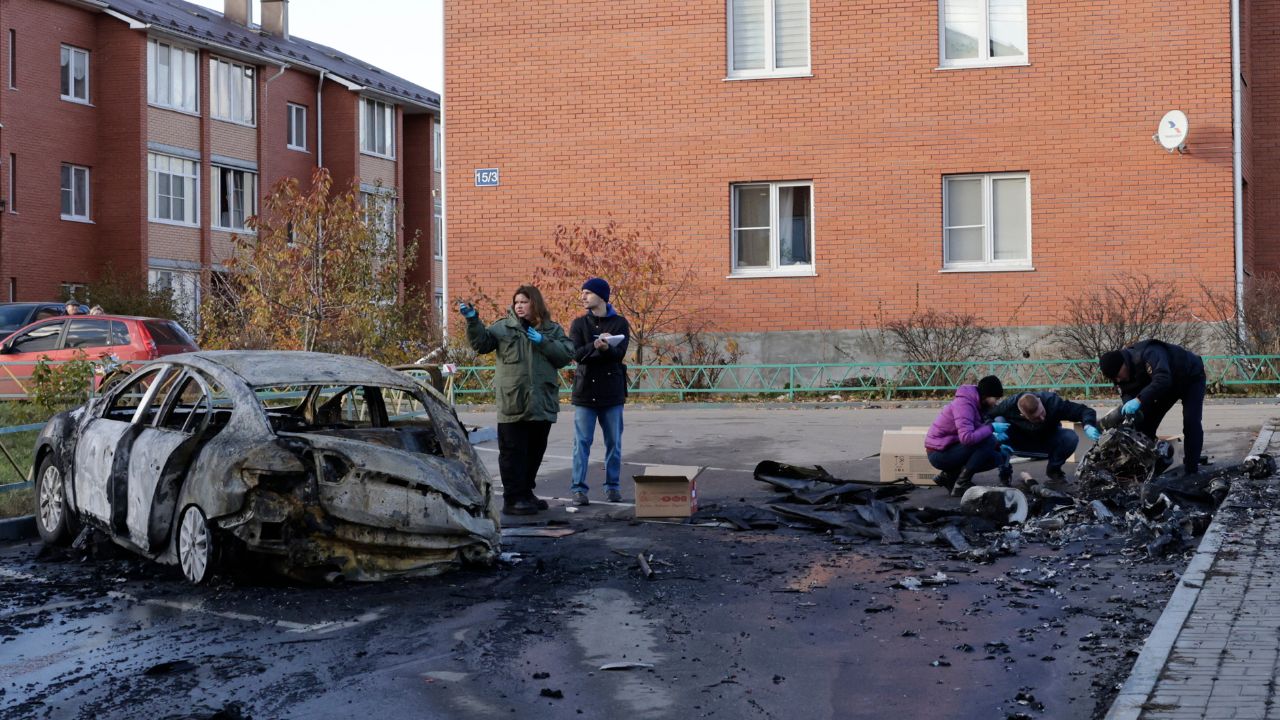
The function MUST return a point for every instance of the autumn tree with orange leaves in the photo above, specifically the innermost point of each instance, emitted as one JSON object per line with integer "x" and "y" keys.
{"x": 320, "y": 275}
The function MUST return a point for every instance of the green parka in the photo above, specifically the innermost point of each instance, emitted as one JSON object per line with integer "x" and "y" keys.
{"x": 527, "y": 384}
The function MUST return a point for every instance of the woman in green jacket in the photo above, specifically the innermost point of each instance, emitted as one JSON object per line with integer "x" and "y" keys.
{"x": 530, "y": 351}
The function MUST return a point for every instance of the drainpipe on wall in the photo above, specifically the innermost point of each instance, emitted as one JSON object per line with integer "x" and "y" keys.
{"x": 320, "y": 120}
{"x": 1237, "y": 163}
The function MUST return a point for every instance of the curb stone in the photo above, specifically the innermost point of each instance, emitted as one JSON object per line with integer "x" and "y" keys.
{"x": 1137, "y": 689}
{"x": 19, "y": 528}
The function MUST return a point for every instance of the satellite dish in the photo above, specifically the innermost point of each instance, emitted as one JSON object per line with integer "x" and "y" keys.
{"x": 1172, "y": 133}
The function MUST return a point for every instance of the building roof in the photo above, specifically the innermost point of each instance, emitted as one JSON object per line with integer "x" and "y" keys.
{"x": 203, "y": 25}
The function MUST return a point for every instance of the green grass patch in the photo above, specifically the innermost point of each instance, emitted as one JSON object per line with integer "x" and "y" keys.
{"x": 16, "y": 503}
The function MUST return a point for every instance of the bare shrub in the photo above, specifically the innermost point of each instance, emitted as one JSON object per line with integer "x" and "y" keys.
{"x": 1261, "y": 317}
{"x": 931, "y": 336}
{"x": 1128, "y": 309}
{"x": 698, "y": 347}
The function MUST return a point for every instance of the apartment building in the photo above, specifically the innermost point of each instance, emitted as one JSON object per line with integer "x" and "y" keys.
{"x": 827, "y": 165}
{"x": 142, "y": 134}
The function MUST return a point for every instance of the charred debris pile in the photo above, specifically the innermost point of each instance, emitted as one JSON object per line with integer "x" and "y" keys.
{"x": 1121, "y": 491}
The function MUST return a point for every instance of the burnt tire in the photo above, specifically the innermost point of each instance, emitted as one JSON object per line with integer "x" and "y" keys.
{"x": 52, "y": 512}
{"x": 197, "y": 546}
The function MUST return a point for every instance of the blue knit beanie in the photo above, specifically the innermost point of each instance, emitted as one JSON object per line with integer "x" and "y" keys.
{"x": 597, "y": 286}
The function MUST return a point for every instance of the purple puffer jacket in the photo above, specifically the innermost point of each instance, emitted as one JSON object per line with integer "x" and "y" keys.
{"x": 960, "y": 421}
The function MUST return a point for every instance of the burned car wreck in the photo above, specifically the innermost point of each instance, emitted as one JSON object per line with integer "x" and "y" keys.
{"x": 326, "y": 467}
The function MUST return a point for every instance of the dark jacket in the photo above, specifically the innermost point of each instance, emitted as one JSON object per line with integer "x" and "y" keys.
{"x": 1158, "y": 371}
{"x": 1056, "y": 410}
{"x": 526, "y": 384}
{"x": 601, "y": 378}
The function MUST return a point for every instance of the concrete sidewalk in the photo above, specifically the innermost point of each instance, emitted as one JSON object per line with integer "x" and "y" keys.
{"x": 1215, "y": 651}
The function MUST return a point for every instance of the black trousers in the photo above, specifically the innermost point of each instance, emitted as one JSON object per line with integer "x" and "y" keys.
{"x": 520, "y": 449}
{"x": 1192, "y": 397}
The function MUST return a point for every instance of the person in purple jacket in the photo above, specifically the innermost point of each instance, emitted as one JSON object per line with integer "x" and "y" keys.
{"x": 959, "y": 444}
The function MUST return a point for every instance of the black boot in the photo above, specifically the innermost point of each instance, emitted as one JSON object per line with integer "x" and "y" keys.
{"x": 944, "y": 479}
{"x": 964, "y": 481}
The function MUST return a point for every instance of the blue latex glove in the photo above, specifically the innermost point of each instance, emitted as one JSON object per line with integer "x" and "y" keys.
{"x": 1092, "y": 432}
{"x": 467, "y": 311}
{"x": 1131, "y": 407}
{"x": 1000, "y": 436}
{"x": 534, "y": 335}
{"x": 1000, "y": 426}
{"x": 1006, "y": 451}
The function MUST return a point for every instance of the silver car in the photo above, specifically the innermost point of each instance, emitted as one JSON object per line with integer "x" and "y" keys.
{"x": 327, "y": 466}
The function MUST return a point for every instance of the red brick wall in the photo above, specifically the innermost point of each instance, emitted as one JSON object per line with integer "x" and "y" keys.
{"x": 43, "y": 131}
{"x": 341, "y": 135}
{"x": 279, "y": 161}
{"x": 1264, "y": 89}
{"x": 418, "y": 186}
{"x": 598, "y": 108}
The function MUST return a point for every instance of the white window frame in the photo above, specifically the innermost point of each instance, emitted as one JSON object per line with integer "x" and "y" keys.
{"x": 771, "y": 69}
{"x": 368, "y": 143}
{"x": 72, "y": 52}
{"x": 88, "y": 194}
{"x": 774, "y": 269}
{"x": 437, "y": 227}
{"x": 386, "y": 205}
{"x": 250, "y": 199}
{"x": 248, "y": 115}
{"x": 984, "y": 58}
{"x": 190, "y": 77}
{"x": 191, "y": 182}
{"x": 296, "y": 128}
{"x": 437, "y": 147}
{"x": 184, "y": 285}
{"x": 988, "y": 234}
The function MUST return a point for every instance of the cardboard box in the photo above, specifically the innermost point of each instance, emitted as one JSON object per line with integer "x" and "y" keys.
{"x": 902, "y": 455}
{"x": 667, "y": 491}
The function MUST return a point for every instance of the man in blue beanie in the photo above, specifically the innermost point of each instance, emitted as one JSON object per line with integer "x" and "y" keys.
{"x": 600, "y": 339}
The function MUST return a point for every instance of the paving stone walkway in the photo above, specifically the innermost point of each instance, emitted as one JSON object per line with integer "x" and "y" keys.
{"x": 1215, "y": 652}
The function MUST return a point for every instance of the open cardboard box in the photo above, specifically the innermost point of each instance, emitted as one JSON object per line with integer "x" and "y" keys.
{"x": 667, "y": 491}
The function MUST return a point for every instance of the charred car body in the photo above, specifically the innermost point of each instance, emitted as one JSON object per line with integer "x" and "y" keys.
{"x": 327, "y": 466}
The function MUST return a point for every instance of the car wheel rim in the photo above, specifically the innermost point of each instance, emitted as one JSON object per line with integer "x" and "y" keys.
{"x": 50, "y": 498}
{"x": 193, "y": 545}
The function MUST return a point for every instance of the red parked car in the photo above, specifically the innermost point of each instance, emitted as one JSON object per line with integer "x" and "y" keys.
{"x": 127, "y": 339}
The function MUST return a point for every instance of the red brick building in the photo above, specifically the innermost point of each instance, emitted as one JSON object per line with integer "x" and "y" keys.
{"x": 826, "y": 164}
{"x": 140, "y": 135}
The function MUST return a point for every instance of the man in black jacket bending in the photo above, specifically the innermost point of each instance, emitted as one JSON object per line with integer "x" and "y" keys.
{"x": 1153, "y": 375}
{"x": 600, "y": 339}
{"x": 1034, "y": 420}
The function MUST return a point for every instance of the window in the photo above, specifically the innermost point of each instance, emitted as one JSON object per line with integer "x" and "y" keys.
{"x": 773, "y": 228}
{"x": 13, "y": 60}
{"x": 376, "y": 130}
{"x": 173, "y": 187}
{"x": 71, "y": 291}
{"x": 234, "y": 198}
{"x": 171, "y": 77}
{"x": 768, "y": 38}
{"x": 983, "y": 32}
{"x": 75, "y": 192}
{"x": 231, "y": 91}
{"x": 297, "y": 125}
{"x": 75, "y": 74}
{"x": 380, "y": 212}
{"x": 440, "y": 306}
{"x": 184, "y": 286}
{"x": 124, "y": 405}
{"x": 40, "y": 338}
{"x": 13, "y": 183}
{"x": 188, "y": 407}
{"x": 437, "y": 146}
{"x": 437, "y": 228}
{"x": 987, "y": 221}
{"x": 88, "y": 334}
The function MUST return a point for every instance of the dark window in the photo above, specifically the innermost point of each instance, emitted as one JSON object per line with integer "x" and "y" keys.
{"x": 168, "y": 332}
{"x": 152, "y": 408}
{"x": 88, "y": 333}
{"x": 13, "y": 59}
{"x": 126, "y": 401}
{"x": 39, "y": 339}
{"x": 14, "y": 316}
{"x": 189, "y": 408}
{"x": 119, "y": 333}
{"x": 45, "y": 313}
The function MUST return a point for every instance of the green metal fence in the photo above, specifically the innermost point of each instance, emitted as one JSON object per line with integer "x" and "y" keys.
{"x": 887, "y": 380}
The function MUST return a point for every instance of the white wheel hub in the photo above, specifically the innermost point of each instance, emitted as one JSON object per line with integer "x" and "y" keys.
{"x": 193, "y": 544}
{"x": 50, "y": 497}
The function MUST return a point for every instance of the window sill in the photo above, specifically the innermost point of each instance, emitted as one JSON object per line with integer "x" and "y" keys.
{"x": 749, "y": 274}
{"x": 380, "y": 156}
{"x": 192, "y": 113}
{"x": 75, "y": 100}
{"x": 296, "y": 148}
{"x": 234, "y": 231}
{"x": 173, "y": 223}
{"x": 82, "y": 220}
{"x": 235, "y": 122}
{"x": 771, "y": 76}
{"x": 981, "y": 65}
{"x": 988, "y": 269}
